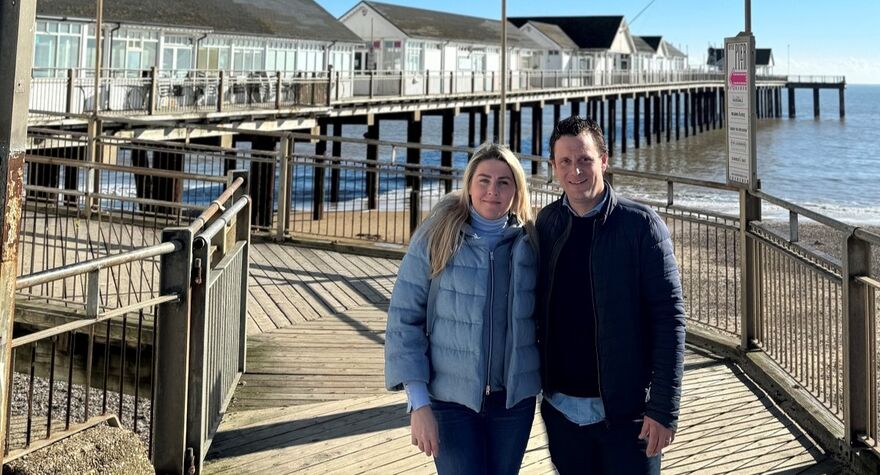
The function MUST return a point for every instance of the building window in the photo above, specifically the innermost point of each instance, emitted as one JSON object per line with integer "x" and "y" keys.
{"x": 56, "y": 48}
{"x": 177, "y": 55}
{"x": 414, "y": 56}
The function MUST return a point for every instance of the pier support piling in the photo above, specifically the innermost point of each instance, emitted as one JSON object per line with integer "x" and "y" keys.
{"x": 816, "y": 111}
{"x": 623, "y": 124}
{"x": 335, "y": 152}
{"x": 792, "y": 112}
{"x": 677, "y": 115}
{"x": 372, "y": 175}
{"x": 319, "y": 174}
{"x": 842, "y": 101}
{"x": 448, "y": 133}
{"x": 537, "y": 135}
{"x": 636, "y": 121}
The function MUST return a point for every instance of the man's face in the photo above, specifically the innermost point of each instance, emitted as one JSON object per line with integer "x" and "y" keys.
{"x": 579, "y": 168}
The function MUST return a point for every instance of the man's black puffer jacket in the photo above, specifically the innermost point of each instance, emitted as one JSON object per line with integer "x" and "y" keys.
{"x": 639, "y": 307}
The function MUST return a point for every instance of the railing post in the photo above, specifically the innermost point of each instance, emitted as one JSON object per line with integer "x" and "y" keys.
{"x": 337, "y": 86}
{"x": 243, "y": 233}
{"x": 221, "y": 91}
{"x": 284, "y": 151}
{"x": 749, "y": 211}
{"x": 329, "y": 92}
{"x": 857, "y": 367}
{"x": 402, "y": 80}
{"x": 371, "y": 83}
{"x": 473, "y": 82}
{"x": 279, "y": 82}
{"x": 427, "y": 82}
{"x": 154, "y": 91}
{"x": 172, "y": 355}
{"x": 71, "y": 77}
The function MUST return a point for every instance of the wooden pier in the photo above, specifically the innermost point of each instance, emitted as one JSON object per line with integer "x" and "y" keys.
{"x": 312, "y": 399}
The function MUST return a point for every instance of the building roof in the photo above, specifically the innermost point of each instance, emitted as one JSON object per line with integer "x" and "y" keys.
{"x": 300, "y": 19}
{"x": 555, "y": 34}
{"x": 642, "y": 46}
{"x": 653, "y": 41}
{"x": 430, "y": 24}
{"x": 588, "y": 32}
{"x": 762, "y": 56}
{"x": 672, "y": 51}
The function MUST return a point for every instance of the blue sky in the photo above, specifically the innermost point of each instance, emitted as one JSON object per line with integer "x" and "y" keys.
{"x": 824, "y": 37}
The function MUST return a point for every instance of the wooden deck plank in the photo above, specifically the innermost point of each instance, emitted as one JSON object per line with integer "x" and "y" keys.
{"x": 324, "y": 409}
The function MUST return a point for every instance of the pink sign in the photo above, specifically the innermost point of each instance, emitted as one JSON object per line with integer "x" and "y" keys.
{"x": 739, "y": 78}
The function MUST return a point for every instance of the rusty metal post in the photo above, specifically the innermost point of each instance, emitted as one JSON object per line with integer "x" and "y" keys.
{"x": 17, "y": 20}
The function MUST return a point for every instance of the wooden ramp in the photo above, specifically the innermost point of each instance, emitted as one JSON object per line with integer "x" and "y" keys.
{"x": 312, "y": 399}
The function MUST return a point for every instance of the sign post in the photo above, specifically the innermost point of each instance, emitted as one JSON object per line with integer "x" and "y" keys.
{"x": 739, "y": 88}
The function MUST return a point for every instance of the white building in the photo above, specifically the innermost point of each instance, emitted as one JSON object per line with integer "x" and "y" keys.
{"x": 178, "y": 36}
{"x": 654, "y": 54}
{"x": 764, "y": 60}
{"x": 416, "y": 40}
{"x": 604, "y": 42}
{"x": 559, "y": 51}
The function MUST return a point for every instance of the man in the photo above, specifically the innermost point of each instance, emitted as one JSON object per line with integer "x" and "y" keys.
{"x": 610, "y": 317}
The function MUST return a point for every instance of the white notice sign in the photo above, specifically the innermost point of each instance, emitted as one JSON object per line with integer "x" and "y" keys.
{"x": 739, "y": 81}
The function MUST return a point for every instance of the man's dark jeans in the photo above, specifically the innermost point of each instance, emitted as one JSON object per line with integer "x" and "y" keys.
{"x": 599, "y": 448}
{"x": 491, "y": 441}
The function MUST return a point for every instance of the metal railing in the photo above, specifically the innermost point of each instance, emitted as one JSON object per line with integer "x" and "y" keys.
{"x": 106, "y": 333}
{"x": 155, "y": 92}
{"x": 747, "y": 281}
{"x": 818, "y": 79}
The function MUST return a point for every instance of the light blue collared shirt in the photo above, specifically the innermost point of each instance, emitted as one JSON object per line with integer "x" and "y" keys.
{"x": 580, "y": 410}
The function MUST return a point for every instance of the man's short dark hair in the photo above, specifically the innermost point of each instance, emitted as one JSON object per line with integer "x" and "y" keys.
{"x": 576, "y": 125}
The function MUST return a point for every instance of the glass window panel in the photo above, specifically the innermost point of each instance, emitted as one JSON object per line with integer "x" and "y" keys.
{"x": 90, "y": 53}
{"x": 184, "y": 58}
{"x": 291, "y": 61}
{"x": 271, "y": 61}
{"x": 117, "y": 54}
{"x": 258, "y": 60}
{"x": 44, "y": 51}
{"x": 133, "y": 59}
{"x": 76, "y": 29}
{"x": 68, "y": 52}
{"x": 238, "y": 60}
{"x": 52, "y": 27}
{"x": 149, "y": 58}
{"x": 168, "y": 59}
{"x": 223, "y": 58}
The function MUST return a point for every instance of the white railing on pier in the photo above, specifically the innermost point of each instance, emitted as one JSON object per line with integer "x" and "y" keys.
{"x": 128, "y": 92}
{"x": 818, "y": 79}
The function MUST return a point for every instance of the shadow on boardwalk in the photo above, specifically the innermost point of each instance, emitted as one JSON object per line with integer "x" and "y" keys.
{"x": 312, "y": 399}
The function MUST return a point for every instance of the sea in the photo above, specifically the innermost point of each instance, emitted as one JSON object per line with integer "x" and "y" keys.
{"x": 828, "y": 164}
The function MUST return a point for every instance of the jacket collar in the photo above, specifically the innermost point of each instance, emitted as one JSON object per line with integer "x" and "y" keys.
{"x": 607, "y": 209}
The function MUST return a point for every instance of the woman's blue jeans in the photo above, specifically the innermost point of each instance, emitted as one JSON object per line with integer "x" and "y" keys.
{"x": 491, "y": 441}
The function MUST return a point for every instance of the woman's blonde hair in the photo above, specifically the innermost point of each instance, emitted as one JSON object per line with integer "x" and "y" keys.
{"x": 443, "y": 227}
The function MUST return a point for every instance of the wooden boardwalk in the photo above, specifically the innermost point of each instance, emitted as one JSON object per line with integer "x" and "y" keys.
{"x": 312, "y": 399}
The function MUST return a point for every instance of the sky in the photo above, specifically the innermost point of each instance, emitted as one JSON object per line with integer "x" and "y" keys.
{"x": 816, "y": 37}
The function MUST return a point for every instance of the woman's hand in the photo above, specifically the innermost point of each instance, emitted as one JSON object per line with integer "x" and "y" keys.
{"x": 424, "y": 431}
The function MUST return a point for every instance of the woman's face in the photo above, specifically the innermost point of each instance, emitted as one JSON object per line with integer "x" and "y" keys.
{"x": 492, "y": 189}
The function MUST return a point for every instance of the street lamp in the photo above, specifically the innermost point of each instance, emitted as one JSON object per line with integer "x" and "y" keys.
{"x": 503, "y": 105}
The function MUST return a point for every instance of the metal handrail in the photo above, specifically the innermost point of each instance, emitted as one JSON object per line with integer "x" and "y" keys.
{"x": 216, "y": 205}
{"x": 819, "y": 218}
{"x": 72, "y": 270}
{"x": 206, "y": 235}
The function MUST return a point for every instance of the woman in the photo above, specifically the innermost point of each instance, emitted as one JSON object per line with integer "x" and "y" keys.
{"x": 460, "y": 335}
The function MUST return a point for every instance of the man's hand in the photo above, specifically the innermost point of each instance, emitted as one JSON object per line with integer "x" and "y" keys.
{"x": 424, "y": 431}
{"x": 659, "y": 437}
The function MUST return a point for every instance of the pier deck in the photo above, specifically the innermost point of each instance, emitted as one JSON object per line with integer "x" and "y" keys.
{"x": 312, "y": 398}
